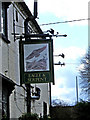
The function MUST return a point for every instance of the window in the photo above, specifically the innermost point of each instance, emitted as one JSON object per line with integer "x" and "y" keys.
{"x": 0, "y": 20}
{"x": 5, "y": 102}
{"x": 44, "y": 108}
{"x": 4, "y": 16}
{"x": 0, "y": 15}
{"x": 7, "y": 88}
{"x": 16, "y": 16}
{"x": 4, "y": 21}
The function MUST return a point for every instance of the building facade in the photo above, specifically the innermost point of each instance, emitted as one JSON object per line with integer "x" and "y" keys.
{"x": 13, "y": 97}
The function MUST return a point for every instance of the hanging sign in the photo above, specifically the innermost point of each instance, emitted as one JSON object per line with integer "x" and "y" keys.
{"x": 36, "y": 61}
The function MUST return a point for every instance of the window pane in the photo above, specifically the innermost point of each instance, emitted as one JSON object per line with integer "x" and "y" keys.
{"x": 5, "y": 99}
{"x": 4, "y": 16}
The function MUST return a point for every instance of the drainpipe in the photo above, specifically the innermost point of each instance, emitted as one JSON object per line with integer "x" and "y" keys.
{"x": 28, "y": 87}
{"x": 35, "y": 8}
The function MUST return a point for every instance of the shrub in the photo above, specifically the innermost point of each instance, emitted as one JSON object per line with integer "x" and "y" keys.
{"x": 45, "y": 117}
{"x": 83, "y": 111}
{"x": 28, "y": 116}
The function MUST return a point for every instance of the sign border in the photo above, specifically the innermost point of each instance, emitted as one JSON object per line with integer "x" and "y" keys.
{"x": 49, "y": 73}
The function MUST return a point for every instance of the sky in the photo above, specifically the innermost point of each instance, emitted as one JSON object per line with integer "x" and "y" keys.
{"x": 74, "y": 46}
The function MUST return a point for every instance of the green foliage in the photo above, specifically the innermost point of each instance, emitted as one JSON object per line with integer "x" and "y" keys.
{"x": 4, "y": 117}
{"x": 46, "y": 117}
{"x": 83, "y": 110}
{"x": 28, "y": 116}
{"x": 61, "y": 112}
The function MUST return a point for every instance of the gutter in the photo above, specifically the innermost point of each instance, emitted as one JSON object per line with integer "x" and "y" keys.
{"x": 30, "y": 17}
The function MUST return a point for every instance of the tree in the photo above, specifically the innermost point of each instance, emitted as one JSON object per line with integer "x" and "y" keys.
{"x": 82, "y": 111}
{"x": 58, "y": 102}
{"x": 60, "y": 110}
{"x": 85, "y": 74}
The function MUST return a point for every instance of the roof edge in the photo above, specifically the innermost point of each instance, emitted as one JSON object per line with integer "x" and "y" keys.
{"x": 29, "y": 14}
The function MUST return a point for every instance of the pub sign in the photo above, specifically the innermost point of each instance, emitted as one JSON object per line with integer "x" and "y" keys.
{"x": 36, "y": 61}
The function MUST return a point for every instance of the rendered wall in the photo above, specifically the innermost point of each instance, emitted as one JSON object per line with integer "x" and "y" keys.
{"x": 10, "y": 64}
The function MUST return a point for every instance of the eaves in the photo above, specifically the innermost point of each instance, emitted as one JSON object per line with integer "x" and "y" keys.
{"x": 29, "y": 14}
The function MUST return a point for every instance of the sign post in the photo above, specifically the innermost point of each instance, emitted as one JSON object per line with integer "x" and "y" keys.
{"x": 36, "y": 63}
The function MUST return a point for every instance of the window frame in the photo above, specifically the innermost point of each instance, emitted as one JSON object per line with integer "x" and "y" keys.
{"x": 5, "y": 21}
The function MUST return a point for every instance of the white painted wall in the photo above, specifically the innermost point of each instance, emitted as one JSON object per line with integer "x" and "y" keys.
{"x": 0, "y": 65}
{"x": 17, "y": 101}
{"x": 37, "y": 106}
{"x": 10, "y": 63}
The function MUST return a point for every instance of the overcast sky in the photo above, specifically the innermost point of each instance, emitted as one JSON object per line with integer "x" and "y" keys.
{"x": 74, "y": 46}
